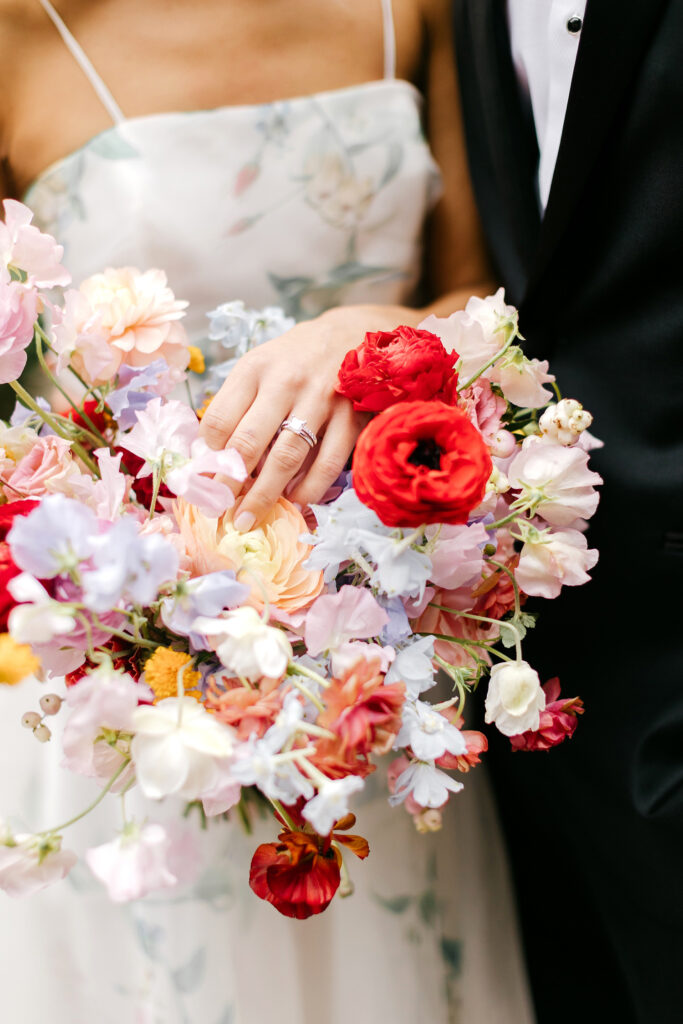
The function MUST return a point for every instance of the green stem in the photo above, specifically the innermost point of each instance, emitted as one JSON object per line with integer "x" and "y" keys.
{"x": 294, "y": 668}
{"x": 91, "y": 807}
{"x": 48, "y": 418}
{"x": 494, "y": 359}
{"x": 283, "y": 814}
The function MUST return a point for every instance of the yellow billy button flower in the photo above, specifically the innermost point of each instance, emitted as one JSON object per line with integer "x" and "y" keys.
{"x": 196, "y": 364}
{"x": 161, "y": 674}
{"x": 17, "y": 661}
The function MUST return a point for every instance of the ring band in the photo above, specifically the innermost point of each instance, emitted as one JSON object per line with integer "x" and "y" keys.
{"x": 299, "y": 427}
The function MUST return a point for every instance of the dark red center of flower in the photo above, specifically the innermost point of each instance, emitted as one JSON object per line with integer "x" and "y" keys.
{"x": 426, "y": 453}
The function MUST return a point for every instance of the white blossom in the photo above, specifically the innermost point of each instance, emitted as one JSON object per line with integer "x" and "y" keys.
{"x": 428, "y": 733}
{"x": 565, "y": 421}
{"x": 246, "y": 645}
{"x": 331, "y": 803}
{"x": 426, "y": 783}
{"x": 515, "y": 698}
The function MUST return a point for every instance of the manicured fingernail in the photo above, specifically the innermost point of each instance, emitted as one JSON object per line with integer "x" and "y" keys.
{"x": 244, "y": 521}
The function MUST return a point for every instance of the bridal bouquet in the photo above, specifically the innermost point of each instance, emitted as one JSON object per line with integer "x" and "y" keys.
{"x": 213, "y": 665}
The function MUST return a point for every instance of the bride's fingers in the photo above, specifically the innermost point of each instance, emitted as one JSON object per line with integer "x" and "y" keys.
{"x": 333, "y": 452}
{"x": 229, "y": 406}
{"x": 284, "y": 460}
{"x": 258, "y": 427}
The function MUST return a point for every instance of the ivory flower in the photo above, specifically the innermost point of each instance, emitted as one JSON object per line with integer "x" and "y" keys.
{"x": 565, "y": 421}
{"x": 246, "y": 645}
{"x": 515, "y": 698}
{"x": 176, "y": 747}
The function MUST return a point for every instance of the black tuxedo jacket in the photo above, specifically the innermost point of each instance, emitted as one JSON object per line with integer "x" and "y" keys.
{"x": 596, "y": 826}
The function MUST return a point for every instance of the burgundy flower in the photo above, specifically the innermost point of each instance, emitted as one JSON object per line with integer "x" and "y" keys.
{"x": 558, "y": 721}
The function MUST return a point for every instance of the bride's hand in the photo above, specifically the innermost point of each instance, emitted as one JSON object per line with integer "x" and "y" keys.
{"x": 294, "y": 376}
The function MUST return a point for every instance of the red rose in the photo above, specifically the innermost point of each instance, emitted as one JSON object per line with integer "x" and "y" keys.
{"x": 558, "y": 721}
{"x": 421, "y": 462}
{"x": 398, "y": 366}
{"x": 8, "y": 570}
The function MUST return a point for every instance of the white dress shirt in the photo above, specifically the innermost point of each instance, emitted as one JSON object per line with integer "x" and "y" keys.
{"x": 544, "y": 37}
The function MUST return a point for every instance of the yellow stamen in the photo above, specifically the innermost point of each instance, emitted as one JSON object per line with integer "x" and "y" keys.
{"x": 17, "y": 661}
{"x": 161, "y": 674}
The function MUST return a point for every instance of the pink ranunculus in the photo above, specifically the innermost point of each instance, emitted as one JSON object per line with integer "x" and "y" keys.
{"x": 47, "y": 459}
{"x": 457, "y": 558}
{"x": 548, "y": 561}
{"x": 79, "y": 339}
{"x": 18, "y": 314}
{"x": 558, "y": 721}
{"x": 334, "y": 619}
{"x": 24, "y": 246}
{"x": 139, "y": 316}
{"x": 561, "y": 475}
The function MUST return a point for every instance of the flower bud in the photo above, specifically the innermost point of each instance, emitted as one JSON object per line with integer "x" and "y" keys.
{"x": 50, "y": 703}
{"x": 503, "y": 444}
{"x": 429, "y": 820}
{"x": 42, "y": 733}
{"x": 30, "y": 720}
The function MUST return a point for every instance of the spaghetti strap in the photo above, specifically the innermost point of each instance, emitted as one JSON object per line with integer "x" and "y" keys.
{"x": 84, "y": 63}
{"x": 389, "y": 39}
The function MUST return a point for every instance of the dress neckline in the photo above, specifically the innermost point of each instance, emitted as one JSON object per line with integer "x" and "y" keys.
{"x": 375, "y": 84}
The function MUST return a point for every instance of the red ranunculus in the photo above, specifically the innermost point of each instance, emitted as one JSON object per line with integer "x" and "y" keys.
{"x": 558, "y": 721}
{"x": 421, "y": 462}
{"x": 398, "y": 366}
{"x": 8, "y": 570}
{"x": 300, "y": 874}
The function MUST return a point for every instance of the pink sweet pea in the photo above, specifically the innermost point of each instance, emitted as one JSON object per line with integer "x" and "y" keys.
{"x": 18, "y": 314}
{"x": 140, "y": 861}
{"x": 558, "y": 721}
{"x": 334, "y": 619}
{"x": 561, "y": 475}
{"x": 29, "y": 863}
{"x": 548, "y": 561}
{"x": 24, "y": 247}
{"x": 457, "y": 558}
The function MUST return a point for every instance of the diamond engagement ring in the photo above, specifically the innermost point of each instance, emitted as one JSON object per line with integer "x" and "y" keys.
{"x": 299, "y": 427}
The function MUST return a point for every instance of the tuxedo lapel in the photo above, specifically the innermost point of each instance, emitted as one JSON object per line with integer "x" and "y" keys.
{"x": 614, "y": 38}
{"x": 510, "y": 134}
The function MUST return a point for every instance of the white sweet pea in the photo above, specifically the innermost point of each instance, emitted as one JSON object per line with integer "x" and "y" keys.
{"x": 133, "y": 864}
{"x": 515, "y": 698}
{"x": 331, "y": 803}
{"x": 426, "y": 783}
{"x": 413, "y": 666}
{"x": 29, "y": 863}
{"x": 246, "y": 646}
{"x": 335, "y": 539}
{"x": 207, "y": 595}
{"x": 257, "y": 763}
{"x": 552, "y": 560}
{"x": 40, "y": 619}
{"x": 176, "y": 746}
{"x": 54, "y": 538}
{"x": 559, "y": 480}
{"x": 565, "y": 421}
{"x": 475, "y": 333}
{"x": 521, "y": 380}
{"x": 400, "y": 571}
{"x": 428, "y": 733}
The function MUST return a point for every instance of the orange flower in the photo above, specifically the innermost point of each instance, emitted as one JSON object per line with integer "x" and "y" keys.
{"x": 300, "y": 874}
{"x": 268, "y": 559}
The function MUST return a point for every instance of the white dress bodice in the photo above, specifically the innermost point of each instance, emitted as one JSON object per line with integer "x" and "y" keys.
{"x": 306, "y": 203}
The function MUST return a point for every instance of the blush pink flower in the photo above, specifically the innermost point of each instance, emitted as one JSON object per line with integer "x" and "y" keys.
{"x": 558, "y": 478}
{"x": 558, "y": 721}
{"x": 334, "y": 619}
{"x": 550, "y": 560}
{"x": 457, "y": 558}
{"x": 24, "y": 247}
{"x": 18, "y": 314}
{"x": 485, "y": 409}
{"x": 47, "y": 459}
{"x": 138, "y": 316}
{"x": 141, "y": 860}
{"x": 435, "y": 620}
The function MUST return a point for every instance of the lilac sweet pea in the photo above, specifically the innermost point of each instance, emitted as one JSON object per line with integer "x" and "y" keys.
{"x": 53, "y": 539}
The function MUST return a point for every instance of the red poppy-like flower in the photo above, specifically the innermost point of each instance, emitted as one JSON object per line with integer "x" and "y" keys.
{"x": 363, "y": 712}
{"x": 300, "y": 874}
{"x": 102, "y": 420}
{"x": 421, "y": 462}
{"x": 8, "y": 570}
{"x": 398, "y": 366}
{"x": 124, "y": 662}
{"x": 557, "y": 723}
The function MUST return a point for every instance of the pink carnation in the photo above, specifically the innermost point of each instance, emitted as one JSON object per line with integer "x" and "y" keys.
{"x": 558, "y": 721}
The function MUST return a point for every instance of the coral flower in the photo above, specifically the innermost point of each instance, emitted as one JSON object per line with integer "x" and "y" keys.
{"x": 250, "y": 711}
{"x": 268, "y": 559}
{"x": 300, "y": 874}
{"x": 363, "y": 712}
{"x": 557, "y": 723}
